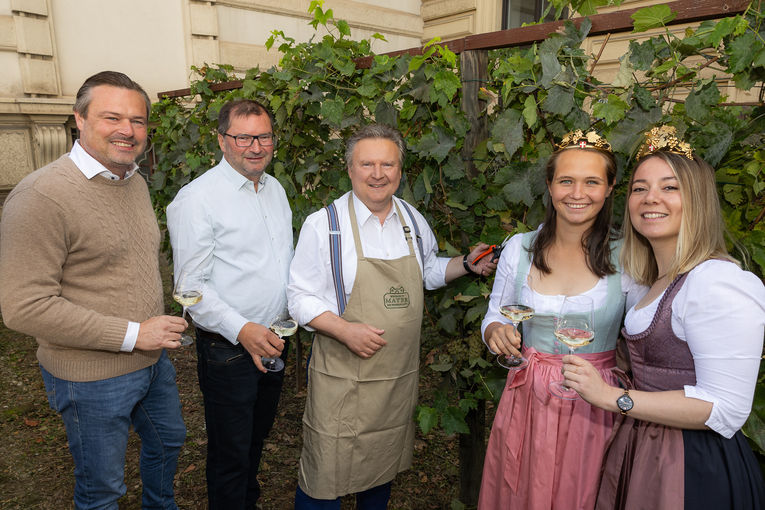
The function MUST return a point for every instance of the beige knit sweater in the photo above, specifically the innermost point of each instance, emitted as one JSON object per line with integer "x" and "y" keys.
{"x": 78, "y": 260}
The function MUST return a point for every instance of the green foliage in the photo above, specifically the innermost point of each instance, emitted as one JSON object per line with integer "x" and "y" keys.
{"x": 533, "y": 96}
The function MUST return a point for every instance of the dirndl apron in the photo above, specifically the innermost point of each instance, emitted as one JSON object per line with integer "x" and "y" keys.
{"x": 358, "y": 427}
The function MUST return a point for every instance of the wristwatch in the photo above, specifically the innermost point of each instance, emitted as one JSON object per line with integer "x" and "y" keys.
{"x": 625, "y": 402}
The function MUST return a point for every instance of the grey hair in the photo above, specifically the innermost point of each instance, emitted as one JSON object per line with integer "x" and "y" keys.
{"x": 375, "y": 131}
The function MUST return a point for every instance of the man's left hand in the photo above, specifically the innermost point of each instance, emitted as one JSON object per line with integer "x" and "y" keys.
{"x": 485, "y": 266}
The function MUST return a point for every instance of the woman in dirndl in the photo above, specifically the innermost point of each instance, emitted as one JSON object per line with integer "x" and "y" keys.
{"x": 695, "y": 341}
{"x": 544, "y": 451}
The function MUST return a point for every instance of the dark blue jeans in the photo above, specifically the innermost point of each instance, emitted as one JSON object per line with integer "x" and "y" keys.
{"x": 375, "y": 498}
{"x": 97, "y": 416}
{"x": 240, "y": 407}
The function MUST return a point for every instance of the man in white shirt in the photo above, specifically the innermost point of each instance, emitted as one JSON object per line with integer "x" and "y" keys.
{"x": 233, "y": 226}
{"x": 357, "y": 279}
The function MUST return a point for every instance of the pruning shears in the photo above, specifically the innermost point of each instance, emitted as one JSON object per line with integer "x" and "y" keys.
{"x": 494, "y": 249}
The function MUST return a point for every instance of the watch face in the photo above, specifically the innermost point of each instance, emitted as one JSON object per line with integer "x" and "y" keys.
{"x": 624, "y": 402}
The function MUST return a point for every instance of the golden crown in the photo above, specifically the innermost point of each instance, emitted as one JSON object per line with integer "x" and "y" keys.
{"x": 663, "y": 138}
{"x": 579, "y": 140}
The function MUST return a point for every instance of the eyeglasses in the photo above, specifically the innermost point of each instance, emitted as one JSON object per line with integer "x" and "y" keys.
{"x": 265, "y": 140}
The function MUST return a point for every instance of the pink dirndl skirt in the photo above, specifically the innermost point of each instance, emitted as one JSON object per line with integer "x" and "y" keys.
{"x": 545, "y": 452}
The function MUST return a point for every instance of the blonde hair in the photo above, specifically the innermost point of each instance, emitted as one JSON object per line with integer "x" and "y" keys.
{"x": 702, "y": 232}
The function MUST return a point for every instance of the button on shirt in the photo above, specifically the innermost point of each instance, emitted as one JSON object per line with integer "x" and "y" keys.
{"x": 311, "y": 291}
{"x": 242, "y": 239}
{"x": 90, "y": 167}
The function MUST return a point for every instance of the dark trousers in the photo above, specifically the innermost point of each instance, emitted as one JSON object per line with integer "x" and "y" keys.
{"x": 240, "y": 406}
{"x": 375, "y": 498}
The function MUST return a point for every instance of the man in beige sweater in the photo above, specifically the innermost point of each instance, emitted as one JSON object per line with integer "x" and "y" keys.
{"x": 79, "y": 271}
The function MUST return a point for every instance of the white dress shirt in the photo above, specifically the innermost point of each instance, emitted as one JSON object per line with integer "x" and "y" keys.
{"x": 720, "y": 312}
{"x": 311, "y": 290}
{"x": 90, "y": 167}
{"x": 242, "y": 239}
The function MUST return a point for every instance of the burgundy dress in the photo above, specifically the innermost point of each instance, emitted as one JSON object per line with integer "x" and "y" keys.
{"x": 652, "y": 466}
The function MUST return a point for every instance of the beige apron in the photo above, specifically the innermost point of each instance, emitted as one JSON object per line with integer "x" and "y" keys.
{"x": 358, "y": 427}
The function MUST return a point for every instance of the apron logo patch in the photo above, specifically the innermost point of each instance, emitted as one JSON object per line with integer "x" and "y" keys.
{"x": 396, "y": 298}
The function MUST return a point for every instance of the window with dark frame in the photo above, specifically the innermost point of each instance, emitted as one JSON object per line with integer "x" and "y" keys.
{"x": 517, "y": 12}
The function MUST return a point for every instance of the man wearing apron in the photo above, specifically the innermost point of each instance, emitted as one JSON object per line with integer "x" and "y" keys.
{"x": 357, "y": 279}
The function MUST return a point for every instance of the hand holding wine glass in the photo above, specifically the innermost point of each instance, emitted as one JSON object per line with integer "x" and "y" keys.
{"x": 187, "y": 292}
{"x": 283, "y": 325}
{"x": 517, "y": 305}
{"x": 574, "y": 327}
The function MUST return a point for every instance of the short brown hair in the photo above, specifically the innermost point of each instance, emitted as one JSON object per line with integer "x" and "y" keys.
{"x": 111, "y": 78}
{"x": 241, "y": 108}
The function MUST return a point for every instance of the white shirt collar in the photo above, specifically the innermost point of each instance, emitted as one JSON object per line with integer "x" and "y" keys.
{"x": 90, "y": 167}
{"x": 238, "y": 180}
{"x": 363, "y": 213}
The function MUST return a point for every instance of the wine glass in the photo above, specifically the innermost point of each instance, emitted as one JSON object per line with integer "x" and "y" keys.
{"x": 517, "y": 305}
{"x": 573, "y": 327}
{"x": 186, "y": 292}
{"x": 283, "y": 325}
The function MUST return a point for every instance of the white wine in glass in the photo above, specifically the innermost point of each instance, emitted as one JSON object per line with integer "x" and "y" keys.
{"x": 574, "y": 328}
{"x": 187, "y": 292}
{"x": 282, "y": 327}
{"x": 517, "y": 306}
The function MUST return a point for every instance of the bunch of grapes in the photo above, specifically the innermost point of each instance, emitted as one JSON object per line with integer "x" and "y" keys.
{"x": 458, "y": 350}
{"x": 476, "y": 346}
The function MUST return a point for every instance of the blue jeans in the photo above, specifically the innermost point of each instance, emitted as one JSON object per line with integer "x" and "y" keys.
{"x": 375, "y": 498}
{"x": 240, "y": 407}
{"x": 97, "y": 416}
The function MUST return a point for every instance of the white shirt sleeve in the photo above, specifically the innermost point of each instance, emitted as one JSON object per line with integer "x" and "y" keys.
{"x": 720, "y": 313}
{"x": 310, "y": 272}
{"x": 192, "y": 238}
{"x": 131, "y": 336}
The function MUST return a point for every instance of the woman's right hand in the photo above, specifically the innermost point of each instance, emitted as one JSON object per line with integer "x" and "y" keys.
{"x": 503, "y": 339}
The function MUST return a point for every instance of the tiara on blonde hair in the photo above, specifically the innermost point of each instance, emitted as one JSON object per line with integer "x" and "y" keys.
{"x": 663, "y": 138}
{"x": 579, "y": 140}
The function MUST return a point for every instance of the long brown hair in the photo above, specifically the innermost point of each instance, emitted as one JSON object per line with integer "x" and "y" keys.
{"x": 596, "y": 241}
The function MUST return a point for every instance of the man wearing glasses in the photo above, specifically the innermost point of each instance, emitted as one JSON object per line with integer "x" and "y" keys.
{"x": 234, "y": 221}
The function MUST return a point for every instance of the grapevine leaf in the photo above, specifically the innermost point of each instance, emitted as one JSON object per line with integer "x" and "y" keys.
{"x": 698, "y": 102}
{"x": 559, "y": 100}
{"x": 427, "y": 418}
{"x": 740, "y": 52}
{"x": 652, "y": 17}
{"x": 332, "y": 110}
{"x": 624, "y": 78}
{"x": 612, "y": 111}
{"x": 644, "y": 98}
{"x": 642, "y": 54}
{"x": 530, "y": 110}
{"x": 509, "y": 129}
{"x": 519, "y": 189}
{"x": 453, "y": 421}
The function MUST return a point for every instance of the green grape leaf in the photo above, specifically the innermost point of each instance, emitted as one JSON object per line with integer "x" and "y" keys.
{"x": 427, "y": 418}
{"x": 699, "y": 102}
{"x": 612, "y": 111}
{"x": 530, "y": 110}
{"x": 740, "y": 52}
{"x": 652, "y": 17}
{"x": 559, "y": 100}
{"x": 453, "y": 421}
{"x": 509, "y": 129}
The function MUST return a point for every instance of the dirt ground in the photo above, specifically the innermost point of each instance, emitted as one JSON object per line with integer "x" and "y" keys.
{"x": 36, "y": 470}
